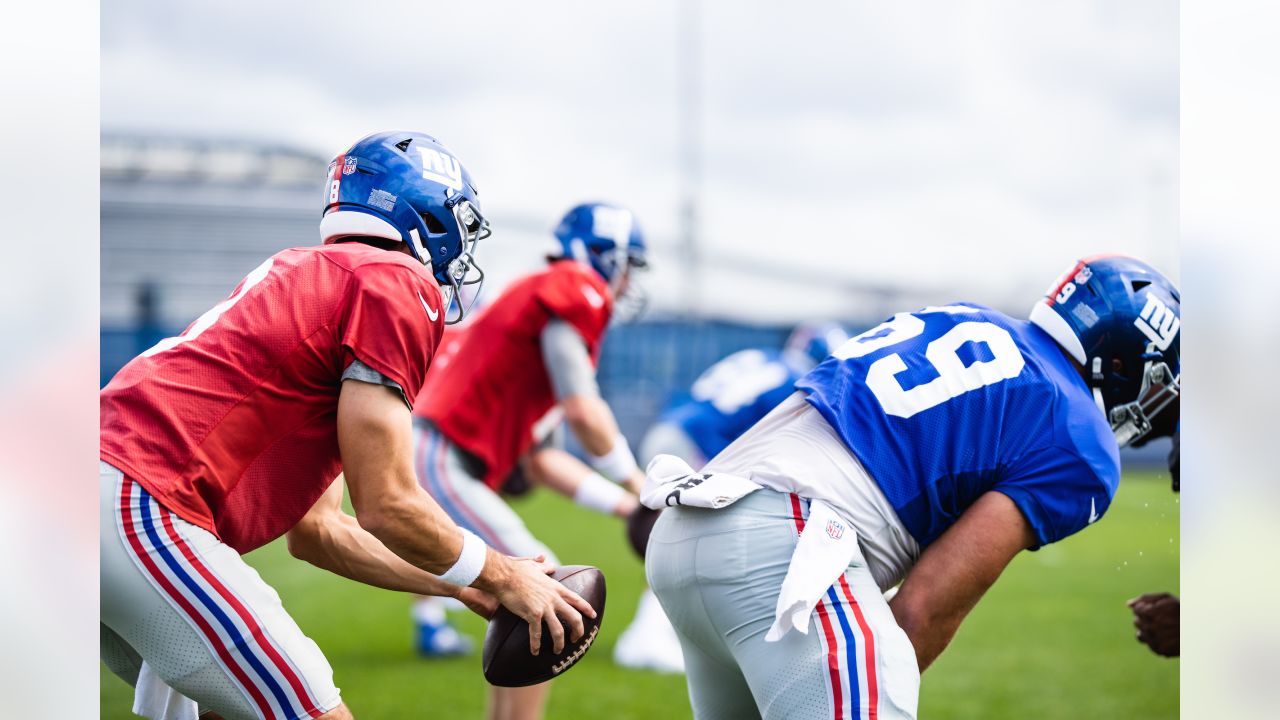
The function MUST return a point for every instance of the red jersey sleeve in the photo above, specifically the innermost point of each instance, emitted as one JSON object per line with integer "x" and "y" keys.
{"x": 394, "y": 322}
{"x": 580, "y": 298}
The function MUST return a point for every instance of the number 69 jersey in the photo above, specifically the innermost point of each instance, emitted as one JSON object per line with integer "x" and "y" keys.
{"x": 947, "y": 403}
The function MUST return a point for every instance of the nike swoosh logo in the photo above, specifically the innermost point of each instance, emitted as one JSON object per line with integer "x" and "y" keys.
{"x": 432, "y": 314}
{"x": 1093, "y": 511}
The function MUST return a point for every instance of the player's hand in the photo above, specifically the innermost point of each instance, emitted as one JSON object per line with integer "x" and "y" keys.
{"x": 478, "y": 602}
{"x": 635, "y": 483}
{"x": 1155, "y": 616}
{"x": 537, "y": 599}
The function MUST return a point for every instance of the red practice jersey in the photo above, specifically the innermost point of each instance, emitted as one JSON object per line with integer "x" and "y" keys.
{"x": 233, "y": 424}
{"x": 490, "y": 387}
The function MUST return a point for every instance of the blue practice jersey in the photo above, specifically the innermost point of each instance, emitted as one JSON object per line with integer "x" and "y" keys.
{"x": 945, "y": 404}
{"x": 731, "y": 396}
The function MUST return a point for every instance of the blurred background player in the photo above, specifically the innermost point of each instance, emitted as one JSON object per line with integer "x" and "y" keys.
{"x": 501, "y": 386}
{"x": 930, "y": 449}
{"x": 223, "y": 438}
{"x": 731, "y": 395}
{"x": 726, "y": 399}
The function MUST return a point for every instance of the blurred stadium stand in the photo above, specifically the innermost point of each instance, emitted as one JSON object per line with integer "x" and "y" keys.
{"x": 183, "y": 220}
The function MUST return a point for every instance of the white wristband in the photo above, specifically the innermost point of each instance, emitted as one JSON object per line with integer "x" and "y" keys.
{"x": 470, "y": 561}
{"x": 618, "y": 464}
{"x": 597, "y": 493}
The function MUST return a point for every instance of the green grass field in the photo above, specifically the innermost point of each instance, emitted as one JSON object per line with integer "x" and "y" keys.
{"x": 1052, "y": 639}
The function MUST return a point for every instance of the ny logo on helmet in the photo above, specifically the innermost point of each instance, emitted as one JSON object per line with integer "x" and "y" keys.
{"x": 441, "y": 168}
{"x": 1158, "y": 322}
{"x": 612, "y": 223}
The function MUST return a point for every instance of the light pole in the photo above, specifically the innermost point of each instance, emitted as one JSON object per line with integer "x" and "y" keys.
{"x": 689, "y": 67}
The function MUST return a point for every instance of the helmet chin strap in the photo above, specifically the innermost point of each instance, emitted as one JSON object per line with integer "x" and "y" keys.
{"x": 619, "y": 269}
{"x": 1097, "y": 380}
{"x": 419, "y": 250}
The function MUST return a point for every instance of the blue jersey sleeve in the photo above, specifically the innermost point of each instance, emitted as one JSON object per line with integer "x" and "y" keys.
{"x": 1059, "y": 492}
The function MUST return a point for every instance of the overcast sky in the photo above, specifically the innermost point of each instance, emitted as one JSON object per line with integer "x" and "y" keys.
{"x": 970, "y": 150}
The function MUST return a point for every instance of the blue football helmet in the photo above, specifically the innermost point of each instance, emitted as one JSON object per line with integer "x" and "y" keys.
{"x": 1120, "y": 319}
{"x": 406, "y": 187}
{"x": 811, "y": 342}
{"x": 604, "y": 236}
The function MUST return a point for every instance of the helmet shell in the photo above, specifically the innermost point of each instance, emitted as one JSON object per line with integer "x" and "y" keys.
{"x": 403, "y": 186}
{"x": 604, "y": 236}
{"x": 1113, "y": 314}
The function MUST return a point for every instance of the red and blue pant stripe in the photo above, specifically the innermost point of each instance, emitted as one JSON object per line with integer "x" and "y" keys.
{"x": 231, "y": 631}
{"x": 854, "y": 687}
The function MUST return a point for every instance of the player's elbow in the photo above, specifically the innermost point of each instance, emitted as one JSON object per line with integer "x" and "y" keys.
{"x": 928, "y": 627}
{"x": 304, "y": 542}
{"x": 386, "y": 519}
{"x": 914, "y": 618}
{"x": 578, "y": 412}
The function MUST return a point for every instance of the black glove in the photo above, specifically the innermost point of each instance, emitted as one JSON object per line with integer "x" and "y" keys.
{"x": 516, "y": 483}
{"x": 639, "y": 525}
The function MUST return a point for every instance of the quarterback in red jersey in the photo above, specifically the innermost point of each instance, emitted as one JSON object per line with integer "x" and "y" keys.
{"x": 223, "y": 438}
{"x": 498, "y": 390}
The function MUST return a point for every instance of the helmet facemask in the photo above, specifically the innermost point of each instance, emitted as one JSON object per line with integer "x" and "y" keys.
{"x": 462, "y": 270}
{"x": 626, "y": 257}
{"x": 1160, "y": 389}
{"x": 632, "y": 302}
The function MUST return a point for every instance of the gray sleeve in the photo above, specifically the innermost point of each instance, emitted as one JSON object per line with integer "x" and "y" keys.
{"x": 553, "y": 439}
{"x": 565, "y": 355}
{"x": 363, "y": 373}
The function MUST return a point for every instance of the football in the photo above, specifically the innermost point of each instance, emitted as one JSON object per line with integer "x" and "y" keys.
{"x": 507, "y": 660}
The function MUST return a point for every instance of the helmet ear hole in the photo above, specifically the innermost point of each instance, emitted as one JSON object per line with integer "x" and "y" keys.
{"x": 434, "y": 226}
{"x": 1139, "y": 284}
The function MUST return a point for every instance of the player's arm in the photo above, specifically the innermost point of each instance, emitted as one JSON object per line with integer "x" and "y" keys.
{"x": 376, "y": 441}
{"x": 955, "y": 571}
{"x": 554, "y": 468}
{"x": 332, "y": 540}
{"x": 589, "y": 417}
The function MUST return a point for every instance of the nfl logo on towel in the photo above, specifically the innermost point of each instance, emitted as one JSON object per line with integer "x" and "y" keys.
{"x": 835, "y": 529}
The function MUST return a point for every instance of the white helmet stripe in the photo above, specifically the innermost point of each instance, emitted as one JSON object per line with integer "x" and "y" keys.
{"x": 346, "y": 223}
{"x": 1048, "y": 320}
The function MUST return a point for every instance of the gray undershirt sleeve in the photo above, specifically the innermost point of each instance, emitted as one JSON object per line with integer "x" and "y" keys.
{"x": 553, "y": 439}
{"x": 359, "y": 371}
{"x": 565, "y": 355}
